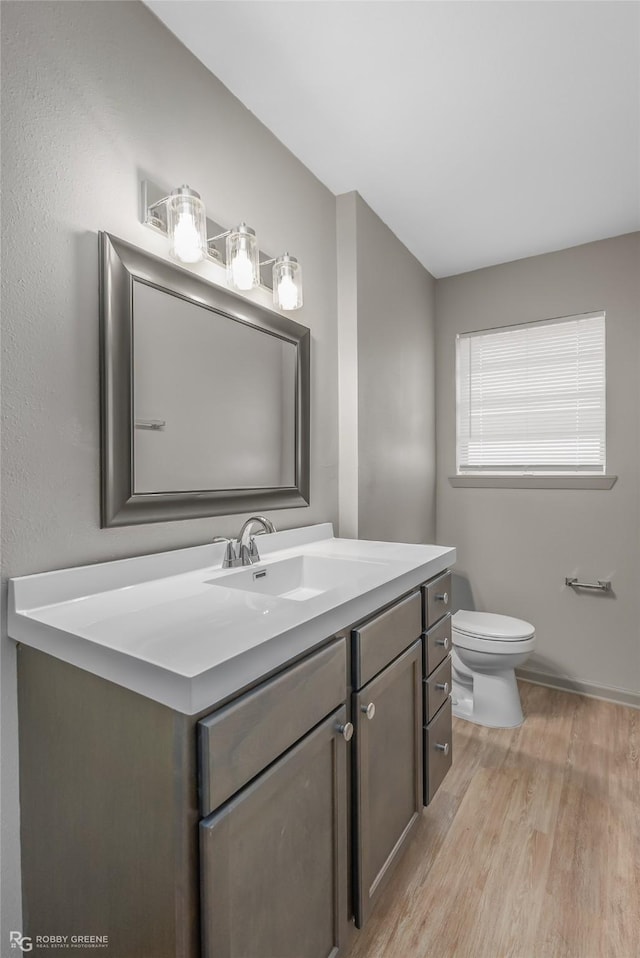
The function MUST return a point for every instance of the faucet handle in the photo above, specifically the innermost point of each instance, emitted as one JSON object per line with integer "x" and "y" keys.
{"x": 249, "y": 553}
{"x": 230, "y": 557}
{"x": 254, "y": 555}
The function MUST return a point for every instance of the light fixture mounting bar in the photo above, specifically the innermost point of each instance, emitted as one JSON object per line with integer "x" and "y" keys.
{"x": 153, "y": 213}
{"x": 266, "y": 275}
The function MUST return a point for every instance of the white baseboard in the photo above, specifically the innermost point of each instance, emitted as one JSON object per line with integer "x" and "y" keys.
{"x": 605, "y": 692}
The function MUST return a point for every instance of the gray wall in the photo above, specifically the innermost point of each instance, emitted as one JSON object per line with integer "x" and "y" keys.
{"x": 347, "y": 277}
{"x": 95, "y": 96}
{"x": 517, "y": 545}
{"x": 387, "y": 441}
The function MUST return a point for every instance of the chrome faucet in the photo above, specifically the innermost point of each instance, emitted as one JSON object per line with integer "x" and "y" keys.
{"x": 243, "y": 550}
{"x": 247, "y": 548}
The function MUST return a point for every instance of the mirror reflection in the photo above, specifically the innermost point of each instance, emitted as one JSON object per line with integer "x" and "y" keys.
{"x": 214, "y": 399}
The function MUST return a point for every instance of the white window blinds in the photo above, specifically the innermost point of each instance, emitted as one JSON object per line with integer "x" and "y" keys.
{"x": 531, "y": 398}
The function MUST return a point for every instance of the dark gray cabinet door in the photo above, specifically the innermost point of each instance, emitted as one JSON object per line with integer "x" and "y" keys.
{"x": 274, "y": 858}
{"x": 388, "y": 774}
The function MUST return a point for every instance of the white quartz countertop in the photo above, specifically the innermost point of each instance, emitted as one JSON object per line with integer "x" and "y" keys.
{"x": 162, "y": 625}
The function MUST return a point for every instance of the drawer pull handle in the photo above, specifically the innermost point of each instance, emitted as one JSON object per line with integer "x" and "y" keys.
{"x": 443, "y": 597}
{"x": 443, "y": 642}
{"x": 346, "y": 731}
{"x": 443, "y": 687}
{"x": 443, "y": 748}
{"x": 369, "y": 710}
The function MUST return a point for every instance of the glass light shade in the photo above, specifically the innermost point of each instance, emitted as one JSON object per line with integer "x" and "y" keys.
{"x": 242, "y": 258}
{"x": 186, "y": 225}
{"x": 287, "y": 283}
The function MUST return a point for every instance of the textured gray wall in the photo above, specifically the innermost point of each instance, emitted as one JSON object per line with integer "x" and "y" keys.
{"x": 96, "y": 95}
{"x": 347, "y": 277}
{"x": 517, "y": 545}
{"x": 387, "y": 319}
{"x": 396, "y": 387}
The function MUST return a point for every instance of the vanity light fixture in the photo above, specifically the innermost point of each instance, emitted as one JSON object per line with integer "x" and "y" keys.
{"x": 181, "y": 216}
{"x": 242, "y": 256}
{"x": 185, "y": 223}
{"x": 286, "y": 281}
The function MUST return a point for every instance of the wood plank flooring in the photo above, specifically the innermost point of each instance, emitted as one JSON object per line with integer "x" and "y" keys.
{"x": 531, "y": 848}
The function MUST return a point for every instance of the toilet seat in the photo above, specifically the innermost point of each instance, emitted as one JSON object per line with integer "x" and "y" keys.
{"x": 503, "y": 628}
{"x": 491, "y": 633}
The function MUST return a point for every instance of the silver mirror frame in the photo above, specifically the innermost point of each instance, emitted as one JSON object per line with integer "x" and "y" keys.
{"x": 120, "y": 265}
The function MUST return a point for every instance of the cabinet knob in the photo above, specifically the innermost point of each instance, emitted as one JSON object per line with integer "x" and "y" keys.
{"x": 443, "y": 748}
{"x": 369, "y": 710}
{"x": 346, "y": 731}
{"x": 443, "y": 597}
{"x": 443, "y": 687}
{"x": 443, "y": 642}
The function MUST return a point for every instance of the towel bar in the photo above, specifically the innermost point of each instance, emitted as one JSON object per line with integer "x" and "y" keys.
{"x": 150, "y": 423}
{"x": 600, "y": 586}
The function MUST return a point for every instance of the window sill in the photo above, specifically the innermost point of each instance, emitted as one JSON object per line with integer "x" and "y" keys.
{"x": 532, "y": 482}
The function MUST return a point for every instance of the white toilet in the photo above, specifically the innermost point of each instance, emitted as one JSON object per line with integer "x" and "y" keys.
{"x": 486, "y": 650}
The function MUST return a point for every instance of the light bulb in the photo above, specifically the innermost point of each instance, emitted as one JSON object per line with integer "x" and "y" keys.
{"x": 287, "y": 282}
{"x": 186, "y": 240}
{"x": 186, "y": 225}
{"x": 242, "y": 270}
{"x": 287, "y": 293}
{"x": 242, "y": 258}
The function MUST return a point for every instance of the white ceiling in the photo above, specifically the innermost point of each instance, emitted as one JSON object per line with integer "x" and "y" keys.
{"x": 480, "y": 132}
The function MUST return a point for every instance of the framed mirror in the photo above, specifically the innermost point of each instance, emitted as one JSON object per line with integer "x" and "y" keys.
{"x": 204, "y": 396}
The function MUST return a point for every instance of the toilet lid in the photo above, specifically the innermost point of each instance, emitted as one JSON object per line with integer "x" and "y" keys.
{"x": 488, "y": 625}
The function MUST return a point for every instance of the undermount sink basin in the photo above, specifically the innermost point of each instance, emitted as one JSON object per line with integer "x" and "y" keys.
{"x": 299, "y": 578}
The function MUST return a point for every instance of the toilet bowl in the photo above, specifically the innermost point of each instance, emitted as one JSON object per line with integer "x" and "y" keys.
{"x": 487, "y": 648}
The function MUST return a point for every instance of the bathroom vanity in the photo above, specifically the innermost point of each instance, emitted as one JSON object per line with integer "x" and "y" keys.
{"x": 228, "y": 763}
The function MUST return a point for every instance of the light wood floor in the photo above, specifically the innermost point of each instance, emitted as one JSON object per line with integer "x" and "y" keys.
{"x": 531, "y": 848}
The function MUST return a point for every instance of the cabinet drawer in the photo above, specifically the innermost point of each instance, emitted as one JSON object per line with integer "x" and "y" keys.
{"x": 437, "y": 645}
{"x": 437, "y": 599}
{"x": 238, "y": 741}
{"x": 382, "y": 639}
{"x": 437, "y": 688}
{"x": 438, "y": 753}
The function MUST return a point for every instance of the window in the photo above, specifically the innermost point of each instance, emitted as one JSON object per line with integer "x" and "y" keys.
{"x": 531, "y": 398}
